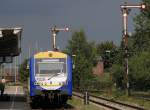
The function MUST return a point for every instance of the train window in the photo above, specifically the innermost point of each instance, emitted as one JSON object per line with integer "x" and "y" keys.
{"x": 51, "y": 68}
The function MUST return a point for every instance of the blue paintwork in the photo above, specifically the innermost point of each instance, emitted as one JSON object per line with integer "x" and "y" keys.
{"x": 32, "y": 76}
{"x": 66, "y": 88}
{"x": 69, "y": 63}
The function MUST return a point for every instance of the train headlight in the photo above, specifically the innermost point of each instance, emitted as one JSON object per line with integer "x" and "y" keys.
{"x": 60, "y": 83}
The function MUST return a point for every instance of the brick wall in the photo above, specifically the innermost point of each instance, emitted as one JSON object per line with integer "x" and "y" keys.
{"x": 99, "y": 68}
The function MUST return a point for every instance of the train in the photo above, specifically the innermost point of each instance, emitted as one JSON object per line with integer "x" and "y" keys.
{"x": 50, "y": 77}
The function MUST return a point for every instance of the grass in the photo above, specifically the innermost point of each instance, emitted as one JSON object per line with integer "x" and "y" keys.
{"x": 120, "y": 96}
{"x": 79, "y": 105}
{"x": 136, "y": 101}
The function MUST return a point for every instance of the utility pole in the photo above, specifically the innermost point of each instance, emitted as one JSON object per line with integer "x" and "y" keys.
{"x": 55, "y": 31}
{"x": 1, "y": 65}
{"x": 15, "y": 69}
{"x": 20, "y": 57}
{"x": 37, "y": 47}
{"x": 126, "y": 8}
{"x": 10, "y": 69}
{"x": 29, "y": 52}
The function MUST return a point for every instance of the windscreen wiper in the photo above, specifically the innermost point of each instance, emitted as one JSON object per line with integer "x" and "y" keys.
{"x": 53, "y": 76}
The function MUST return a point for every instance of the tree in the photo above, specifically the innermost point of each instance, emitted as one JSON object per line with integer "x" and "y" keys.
{"x": 118, "y": 75}
{"x": 140, "y": 40}
{"x": 107, "y": 50}
{"x": 23, "y": 71}
{"x": 85, "y": 52}
{"x": 103, "y": 46}
{"x": 139, "y": 73}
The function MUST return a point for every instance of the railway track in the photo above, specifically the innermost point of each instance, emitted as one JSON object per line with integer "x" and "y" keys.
{"x": 48, "y": 106}
{"x": 56, "y": 107}
{"x": 110, "y": 104}
{"x": 143, "y": 98}
{"x": 65, "y": 107}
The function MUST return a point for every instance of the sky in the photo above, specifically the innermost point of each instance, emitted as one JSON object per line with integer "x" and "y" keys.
{"x": 100, "y": 19}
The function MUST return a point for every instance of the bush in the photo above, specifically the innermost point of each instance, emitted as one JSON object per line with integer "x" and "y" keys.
{"x": 139, "y": 71}
{"x": 117, "y": 76}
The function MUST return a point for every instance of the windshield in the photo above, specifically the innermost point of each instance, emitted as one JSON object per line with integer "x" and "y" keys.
{"x": 50, "y": 67}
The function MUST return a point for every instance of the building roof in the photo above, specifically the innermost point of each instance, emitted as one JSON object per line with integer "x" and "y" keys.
{"x": 9, "y": 41}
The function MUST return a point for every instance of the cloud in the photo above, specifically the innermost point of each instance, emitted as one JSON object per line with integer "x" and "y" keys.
{"x": 101, "y": 19}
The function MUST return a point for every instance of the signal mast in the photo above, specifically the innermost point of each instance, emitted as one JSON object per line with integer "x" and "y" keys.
{"x": 126, "y": 8}
{"x": 55, "y": 31}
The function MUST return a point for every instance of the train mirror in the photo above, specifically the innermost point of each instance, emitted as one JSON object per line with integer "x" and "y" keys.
{"x": 73, "y": 64}
{"x": 27, "y": 67}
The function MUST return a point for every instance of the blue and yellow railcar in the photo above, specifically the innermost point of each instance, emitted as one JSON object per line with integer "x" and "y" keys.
{"x": 50, "y": 76}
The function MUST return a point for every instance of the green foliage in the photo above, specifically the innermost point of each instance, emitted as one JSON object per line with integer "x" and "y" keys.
{"x": 99, "y": 83}
{"x": 23, "y": 71}
{"x": 140, "y": 41}
{"x": 107, "y": 50}
{"x": 139, "y": 71}
{"x": 102, "y": 47}
{"x": 86, "y": 53}
{"x": 118, "y": 75}
{"x": 139, "y": 47}
{"x": 83, "y": 60}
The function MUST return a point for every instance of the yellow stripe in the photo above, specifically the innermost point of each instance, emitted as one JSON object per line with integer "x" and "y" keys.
{"x": 48, "y": 84}
{"x": 50, "y": 54}
{"x": 51, "y": 85}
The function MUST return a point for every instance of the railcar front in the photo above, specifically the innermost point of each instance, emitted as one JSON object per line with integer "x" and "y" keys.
{"x": 51, "y": 76}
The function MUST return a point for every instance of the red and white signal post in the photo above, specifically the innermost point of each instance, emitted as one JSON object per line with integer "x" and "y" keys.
{"x": 55, "y": 31}
{"x": 125, "y": 12}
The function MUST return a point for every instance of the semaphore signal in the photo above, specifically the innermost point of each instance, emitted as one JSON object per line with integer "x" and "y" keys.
{"x": 126, "y": 8}
{"x": 55, "y": 31}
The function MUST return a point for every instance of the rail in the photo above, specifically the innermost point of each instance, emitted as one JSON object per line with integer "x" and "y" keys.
{"x": 111, "y": 104}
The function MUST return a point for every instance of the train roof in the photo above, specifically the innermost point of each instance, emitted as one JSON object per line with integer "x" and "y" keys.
{"x": 50, "y": 54}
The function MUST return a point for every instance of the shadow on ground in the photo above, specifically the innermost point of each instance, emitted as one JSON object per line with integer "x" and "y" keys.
{"x": 10, "y": 97}
{"x": 6, "y": 101}
{"x": 5, "y": 97}
{"x": 47, "y": 106}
